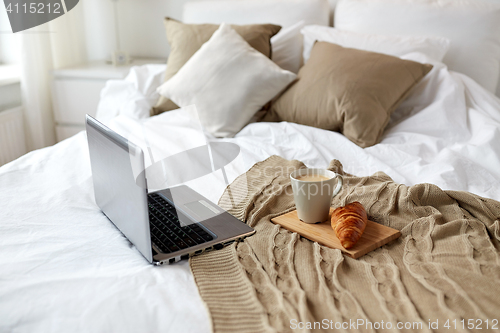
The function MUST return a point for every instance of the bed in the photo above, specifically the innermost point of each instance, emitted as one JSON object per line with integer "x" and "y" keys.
{"x": 65, "y": 267}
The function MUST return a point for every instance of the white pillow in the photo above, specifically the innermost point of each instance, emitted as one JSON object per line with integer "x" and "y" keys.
{"x": 472, "y": 26}
{"x": 228, "y": 81}
{"x": 433, "y": 47}
{"x": 287, "y": 47}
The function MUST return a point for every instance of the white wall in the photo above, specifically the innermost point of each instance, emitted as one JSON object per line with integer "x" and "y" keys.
{"x": 140, "y": 26}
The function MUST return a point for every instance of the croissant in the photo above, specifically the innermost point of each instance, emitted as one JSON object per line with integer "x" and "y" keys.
{"x": 349, "y": 222}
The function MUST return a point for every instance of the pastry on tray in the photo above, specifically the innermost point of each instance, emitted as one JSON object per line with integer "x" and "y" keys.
{"x": 349, "y": 222}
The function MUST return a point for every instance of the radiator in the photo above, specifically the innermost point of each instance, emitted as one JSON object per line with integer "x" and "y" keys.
{"x": 12, "y": 139}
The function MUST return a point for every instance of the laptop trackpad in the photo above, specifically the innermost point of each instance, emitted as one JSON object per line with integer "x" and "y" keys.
{"x": 201, "y": 210}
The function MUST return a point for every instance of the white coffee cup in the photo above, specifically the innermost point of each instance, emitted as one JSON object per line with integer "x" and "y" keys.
{"x": 313, "y": 190}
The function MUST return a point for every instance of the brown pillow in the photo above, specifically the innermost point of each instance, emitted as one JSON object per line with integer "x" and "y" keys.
{"x": 186, "y": 39}
{"x": 349, "y": 91}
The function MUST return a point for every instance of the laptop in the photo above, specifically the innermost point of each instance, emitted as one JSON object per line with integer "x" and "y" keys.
{"x": 166, "y": 226}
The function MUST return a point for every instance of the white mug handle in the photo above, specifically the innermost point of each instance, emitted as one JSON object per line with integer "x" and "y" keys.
{"x": 339, "y": 185}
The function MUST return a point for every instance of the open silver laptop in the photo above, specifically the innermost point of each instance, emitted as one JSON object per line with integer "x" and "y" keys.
{"x": 165, "y": 226}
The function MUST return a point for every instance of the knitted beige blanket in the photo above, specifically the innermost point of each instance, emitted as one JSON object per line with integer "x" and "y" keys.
{"x": 441, "y": 275}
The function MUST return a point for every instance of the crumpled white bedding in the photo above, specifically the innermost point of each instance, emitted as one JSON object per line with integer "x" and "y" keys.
{"x": 65, "y": 268}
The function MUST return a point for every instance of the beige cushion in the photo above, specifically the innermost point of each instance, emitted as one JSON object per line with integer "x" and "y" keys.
{"x": 186, "y": 39}
{"x": 347, "y": 90}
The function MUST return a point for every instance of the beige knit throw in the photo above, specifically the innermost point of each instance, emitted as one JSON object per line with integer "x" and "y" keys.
{"x": 441, "y": 275}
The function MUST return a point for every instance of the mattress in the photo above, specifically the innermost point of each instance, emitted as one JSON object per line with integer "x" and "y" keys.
{"x": 65, "y": 267}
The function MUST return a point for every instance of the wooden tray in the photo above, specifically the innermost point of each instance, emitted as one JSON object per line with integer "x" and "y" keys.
{"x": 374, "y": 236}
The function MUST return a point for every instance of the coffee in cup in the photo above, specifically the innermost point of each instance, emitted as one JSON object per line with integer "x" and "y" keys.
{"x": 312, "y": 178}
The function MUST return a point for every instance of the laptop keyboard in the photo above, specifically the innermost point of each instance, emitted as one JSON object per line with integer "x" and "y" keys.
{"x": 166, "y": 231}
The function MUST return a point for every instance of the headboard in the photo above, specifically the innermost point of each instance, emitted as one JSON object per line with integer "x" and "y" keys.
{"x": 281, "y": 12}
{"x": 288, "y": 12}
{"x": 472, "y": 26}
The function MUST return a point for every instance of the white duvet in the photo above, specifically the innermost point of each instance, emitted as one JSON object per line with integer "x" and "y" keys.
{"x": 65, "y": 268}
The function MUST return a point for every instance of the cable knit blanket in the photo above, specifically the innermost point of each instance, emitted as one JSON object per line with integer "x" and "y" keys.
{"x": 441, "y": 275}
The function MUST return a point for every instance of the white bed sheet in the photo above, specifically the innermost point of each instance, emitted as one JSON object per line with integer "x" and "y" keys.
{"x": 65, "y": 268}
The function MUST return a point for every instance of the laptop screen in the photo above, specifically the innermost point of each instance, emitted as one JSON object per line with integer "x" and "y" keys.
{"x": 118, "y": 193}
